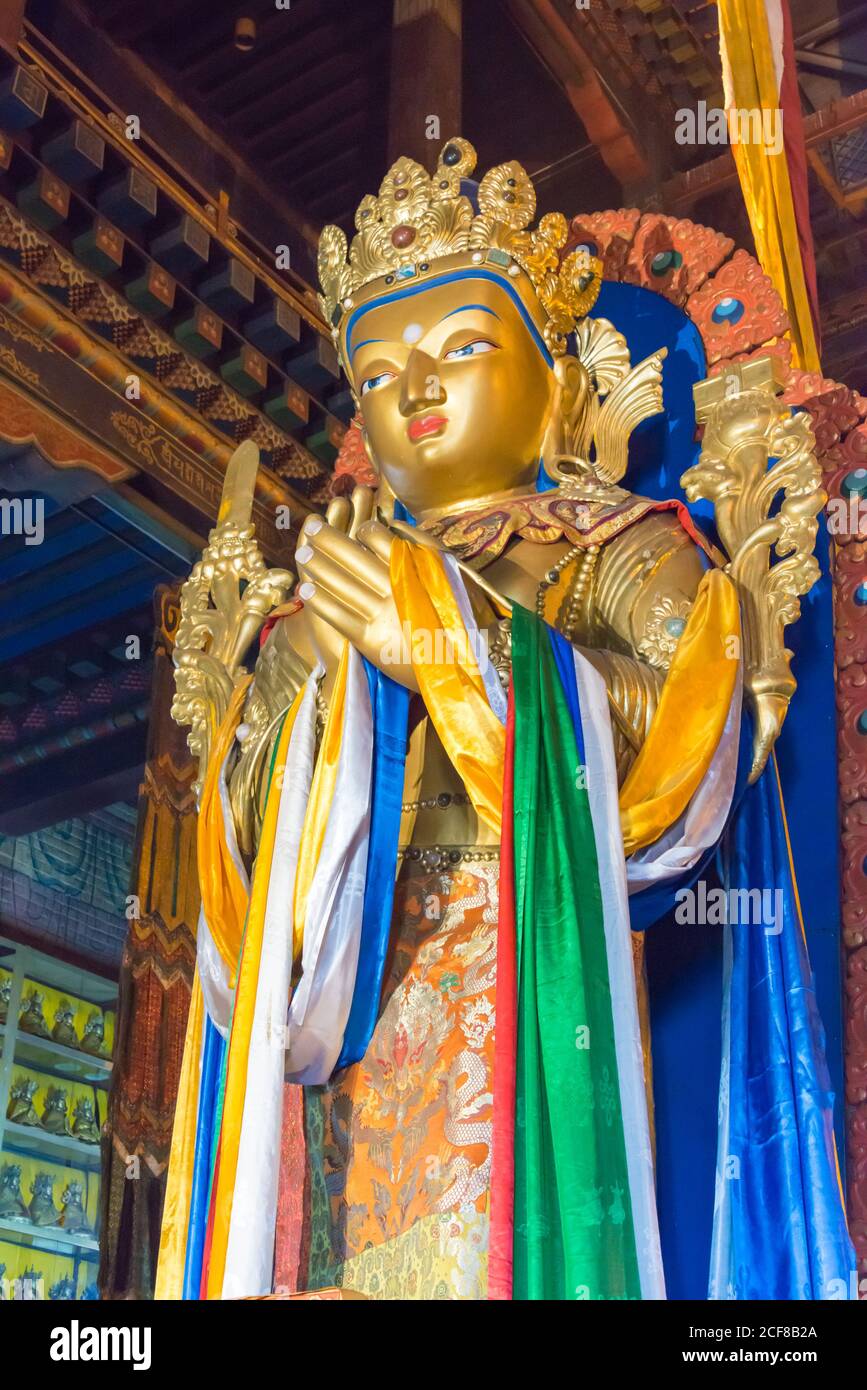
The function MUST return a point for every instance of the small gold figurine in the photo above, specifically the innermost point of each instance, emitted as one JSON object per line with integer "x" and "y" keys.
{"x": 64, "y": 1025}
{"x": 54, "y": 1117}
{"x": 84, "y": 1124}
{"x": 43, "y": 1212}
{"x": 93, "y": 1039}
{"x": 74, "y": 1217}
{"x": 5, "y": 994}
{"x": 32, "y": 1019}
{"x": 12, "y": 1204}
{"x": 21, "y": 1108}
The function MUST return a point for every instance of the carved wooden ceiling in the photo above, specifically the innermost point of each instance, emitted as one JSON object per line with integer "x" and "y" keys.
{"x": 308, "y": 105}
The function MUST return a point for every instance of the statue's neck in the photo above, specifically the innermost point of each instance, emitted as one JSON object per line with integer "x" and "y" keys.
{"x": 471, "y": 504}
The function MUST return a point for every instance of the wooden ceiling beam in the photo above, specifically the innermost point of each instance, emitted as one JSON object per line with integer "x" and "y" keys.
{"x": 273, "y": 35}
{"x": 338, "y": 205}
{"x": 213, "y": 29}
{"x": 314, "y": 117}
{"x": 185, "y": 138}
{"x": 322, "y": 175}
{"x": 316, "y": 148}
{"x": 837, "y": 118}
{"x": 612, "y": 116}
{"x": 129, "y": 25}
{"x": 272, "y": 112}
{"x": 312, "y": 55}
{"x": 11, "y": 24}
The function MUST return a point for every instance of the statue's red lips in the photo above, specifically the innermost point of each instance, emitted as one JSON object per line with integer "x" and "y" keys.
{"x": 426, "y": 425}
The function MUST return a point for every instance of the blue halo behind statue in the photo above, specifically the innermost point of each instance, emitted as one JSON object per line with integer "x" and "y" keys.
{"x": 662, "y": 448}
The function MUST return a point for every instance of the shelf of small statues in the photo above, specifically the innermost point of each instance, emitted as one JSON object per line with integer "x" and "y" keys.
{"x": 53, "y": 1224}
{"x": 72, "y": 1062}
{"x": 36, "y": 1140}
{"x": 78, "y": 1028}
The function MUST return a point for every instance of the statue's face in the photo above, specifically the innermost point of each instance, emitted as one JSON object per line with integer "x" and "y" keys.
{"x": 455, "y": 387}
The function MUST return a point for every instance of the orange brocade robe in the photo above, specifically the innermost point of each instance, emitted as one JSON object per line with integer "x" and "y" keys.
{"x": 392, "y": 1200}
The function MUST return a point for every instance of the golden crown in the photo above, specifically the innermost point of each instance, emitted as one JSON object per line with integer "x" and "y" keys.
{"x": 419, "y": 218}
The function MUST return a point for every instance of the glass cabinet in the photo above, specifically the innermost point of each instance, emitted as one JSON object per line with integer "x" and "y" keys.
{"x": 56, "y": 1040}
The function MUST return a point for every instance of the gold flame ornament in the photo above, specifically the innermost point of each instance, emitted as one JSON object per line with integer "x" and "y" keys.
{"x": 420, "y": 220}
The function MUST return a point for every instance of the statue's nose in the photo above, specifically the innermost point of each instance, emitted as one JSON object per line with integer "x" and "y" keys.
{"x": 420, "y": 384}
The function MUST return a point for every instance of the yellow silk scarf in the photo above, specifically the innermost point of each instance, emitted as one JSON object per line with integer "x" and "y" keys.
{"x": 764, "y": 176}
{"x": 224, "y": 897}
{"x": 690, "y": 717}
{"x": 179, "y": 1181}
{"x": 451, "y": 684}
{"x": 242, "y": 1015}
{"x": 319, "y": 803}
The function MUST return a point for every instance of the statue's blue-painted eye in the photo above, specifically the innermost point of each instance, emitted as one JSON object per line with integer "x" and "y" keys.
{"x": 474, "y": 349}
{"x": 373, "y": 381}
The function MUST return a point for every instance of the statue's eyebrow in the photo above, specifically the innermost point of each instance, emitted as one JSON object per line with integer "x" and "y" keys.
{"x": 482, "y": 307}
{"x": 366, "y": 343}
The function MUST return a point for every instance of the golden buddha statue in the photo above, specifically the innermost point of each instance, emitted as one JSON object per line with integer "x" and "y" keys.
{"x": 21, "y": 1108}
{"x": 31, "y": 1018}
{"x": 43, "y": 1212}
{"x": 85, "y": 1125}
{"x": 55, "y": 1115}
{"x": 64, "y": 1025}
{"x": 74, "y": 1217}
{"x": 12, "y": 1204}
{"x": 497, "y": 417}
{"x": 93, "y": 1037}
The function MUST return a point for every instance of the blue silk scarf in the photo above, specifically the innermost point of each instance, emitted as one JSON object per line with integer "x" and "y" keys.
{"x": 779, "y": 1224}
{"x": 390, "y": 704}
{"x": 213, "y": 1056}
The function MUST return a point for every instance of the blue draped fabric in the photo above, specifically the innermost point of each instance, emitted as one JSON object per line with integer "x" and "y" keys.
{"x": 565, "y": 663}
{"x": 659, "y": 899}
{"x": 780, "y": 1230}
{"x": 685, "y": 965}
{"x": 213, "y": 1057}
{"x": 390, "y": 704}
{"x": 401, "y": 513}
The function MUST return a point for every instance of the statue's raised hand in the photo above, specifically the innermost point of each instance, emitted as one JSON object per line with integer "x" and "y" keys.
{"x": 344, "y": 568}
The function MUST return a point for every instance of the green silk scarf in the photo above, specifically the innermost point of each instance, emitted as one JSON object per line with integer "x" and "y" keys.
{"x": 574, "y": 1235}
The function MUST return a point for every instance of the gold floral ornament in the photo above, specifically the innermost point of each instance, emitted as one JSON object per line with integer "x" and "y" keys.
{"x": 758, "y": 467}
{"x": 665, "y": 626}
{"x": 225, "y": 601}
{"x": 418, "y": 219}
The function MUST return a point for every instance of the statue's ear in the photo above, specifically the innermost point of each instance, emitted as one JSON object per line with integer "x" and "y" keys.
{"x": 573, "y": 383}
{"x": 569, "y": 404}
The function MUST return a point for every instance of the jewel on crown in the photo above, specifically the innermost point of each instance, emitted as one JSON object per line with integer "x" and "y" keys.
{"x": 419, "y": 218}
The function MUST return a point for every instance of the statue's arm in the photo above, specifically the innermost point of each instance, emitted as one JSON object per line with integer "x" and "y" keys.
{"x": 643, "y": 588}
{"x": 282, "y": 666}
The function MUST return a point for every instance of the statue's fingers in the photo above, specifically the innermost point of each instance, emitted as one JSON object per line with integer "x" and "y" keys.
{"x": 348, "y": 588}
{"x": 339, "y": 514}
{"x": 363, "y": 505}
{"x": 333, "y": 612}
{"x": 377, "y": 538}
{"x": 350, "y": 555}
